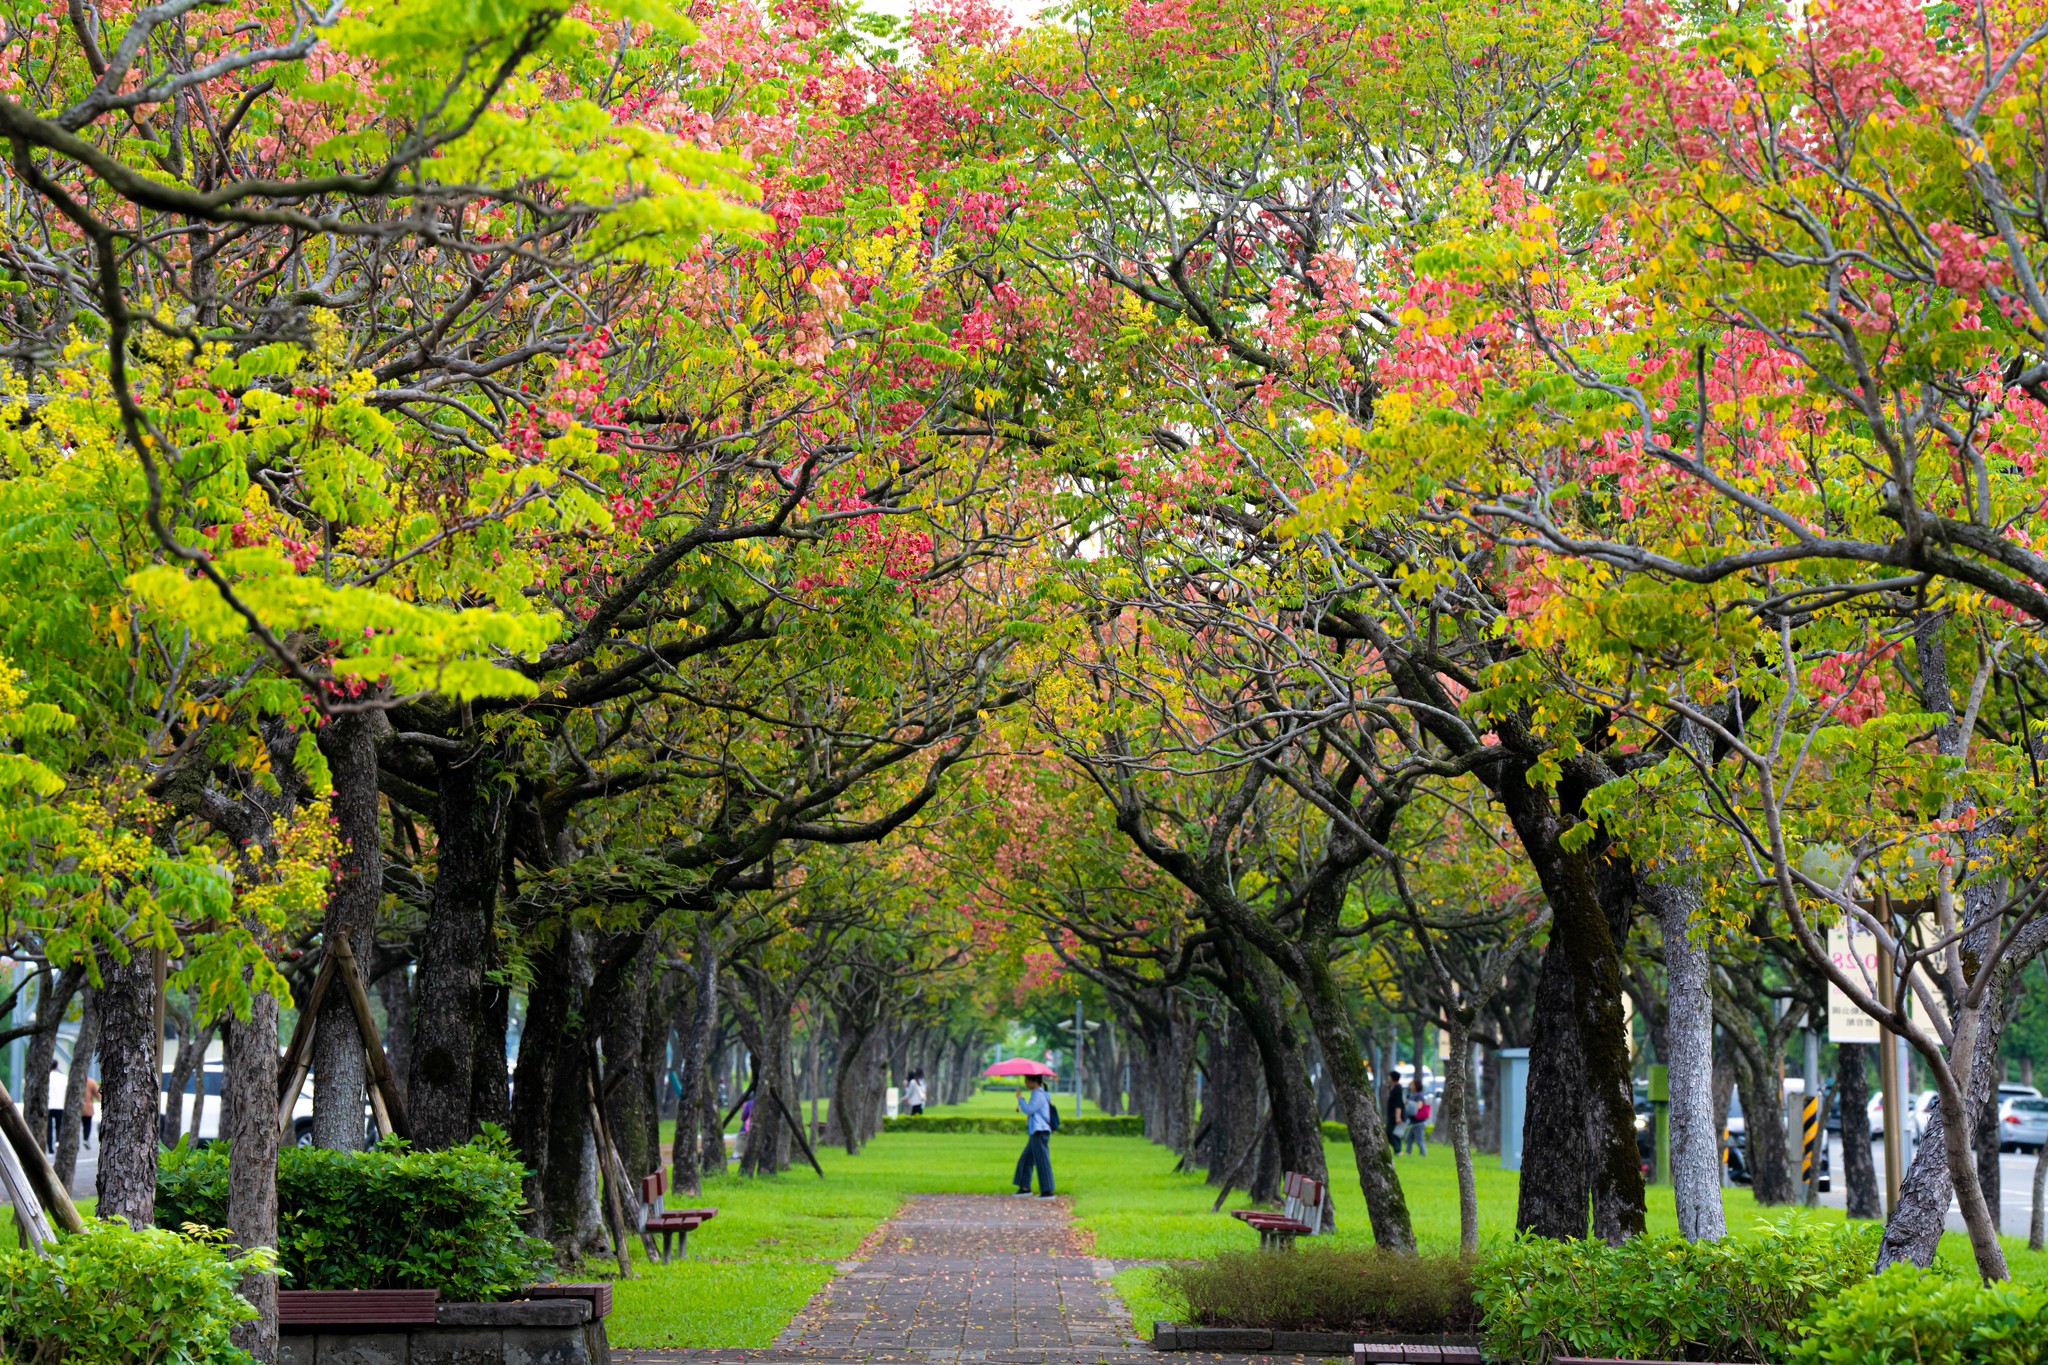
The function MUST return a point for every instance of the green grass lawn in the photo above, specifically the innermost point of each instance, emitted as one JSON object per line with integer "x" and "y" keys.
{"x": 776, "y": 1239}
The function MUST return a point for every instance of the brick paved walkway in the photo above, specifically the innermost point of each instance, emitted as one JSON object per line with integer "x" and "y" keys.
{"x": 958, "y": 1280}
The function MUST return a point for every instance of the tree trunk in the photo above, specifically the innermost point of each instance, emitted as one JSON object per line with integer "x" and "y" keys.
{"x": 1254, "y": 986}
{"x": 686, "y": 1153}
{"x": 455, "y": 953}
{"x": 1371, "y": 1153}
{"x": 1852, "y": 1096}
{"x": 566, "y": 1211}
{"x": 1763, "y": 1128}
{"x": 626, "y": 1040}
{"x": 395, "y": 990}
{"x": 339, "y": 1068}
{"x": 766, "y": 1148}
{"x": 2035, "y": 1229}
{"x": 1984, "y": 1142}
{"x": 249, "y": 1102}
{"x": 1579, "y": 1067}
{"x": 83, "y": 1049}
{"x": 1554, "y": 1197}
{"x": 1914, "y": 1232}
{"x": 1457, "y": 1089}
{"x": 129, "y": 1081}
{"x": 1237, "y": 1098}
{"x": 1688, "y": 1055}
{"x": 53, "y": 998}
{"x": 548, "y": 1002}
{"x": 1487, "y": 1139}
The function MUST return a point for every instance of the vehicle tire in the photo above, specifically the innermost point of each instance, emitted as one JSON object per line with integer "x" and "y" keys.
{"x": 302, "y": 1133}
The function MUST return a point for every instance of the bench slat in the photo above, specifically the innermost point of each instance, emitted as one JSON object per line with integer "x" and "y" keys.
{"x": 356, "y": 1306}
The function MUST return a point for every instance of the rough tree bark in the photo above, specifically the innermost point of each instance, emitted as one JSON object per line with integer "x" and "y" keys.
{"x": 349, "y": 743}
{"x": 249, "y": 1102}
{"x": 1579, "y": 1146}
{"x": 454, "y": 953}
{"x": 129, "y": 1081}
{"x": 1852, "y": 1096}
{"x": 1254, "y": 987}
{"x": 53, "y": 997}
{"x": 1688, "y": 1053}
{"x": 83, "y": 1050}
{"x": 686, "y": 1154}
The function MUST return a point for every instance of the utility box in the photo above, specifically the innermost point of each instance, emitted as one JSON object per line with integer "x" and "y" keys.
{"x": 1514, "y": 1104}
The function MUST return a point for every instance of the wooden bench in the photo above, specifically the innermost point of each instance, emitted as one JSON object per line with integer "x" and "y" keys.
{"x": 1415, "y": 1353}
{"x": 672, "y": 1225}
{"x": 356, "y": 1307}
{"x": 598, "y": 1293}
{"x": 1302, "y": 1215}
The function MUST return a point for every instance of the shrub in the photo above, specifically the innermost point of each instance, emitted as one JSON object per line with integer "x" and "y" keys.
{"x": 1662, "y": 1298}
{"x": 1123, "y": 1125}
{"x": 388, "y": 1218}
{"x": 115, "y": 1295}
{"x": 1928, "y": 1318}
{"x": 1327, "y": 1290}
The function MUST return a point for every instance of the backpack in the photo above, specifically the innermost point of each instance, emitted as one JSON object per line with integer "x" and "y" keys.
{"x": 1053, "y": 1110}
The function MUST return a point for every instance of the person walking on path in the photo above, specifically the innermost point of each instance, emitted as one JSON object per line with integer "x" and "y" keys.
{"x": 1036, "y": 1107}
{"x": 1418, "y": 1117}
{"x": 914, "y": 1092}
{"x": 1397, "y": 1113}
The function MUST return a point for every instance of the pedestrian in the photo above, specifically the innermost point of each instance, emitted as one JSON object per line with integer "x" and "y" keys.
{"x": 1036, "y": 1107}
{"x": 85, "y": 1110}
{"x": 1397, "y": 1113}
{"x": 914, "y": 1092}
{"x": 1417, "y": 1106}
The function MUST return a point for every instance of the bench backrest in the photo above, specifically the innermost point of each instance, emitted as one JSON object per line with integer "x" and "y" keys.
{"x": 1306, "y": 1198}
{"x": 653, "y": 1187}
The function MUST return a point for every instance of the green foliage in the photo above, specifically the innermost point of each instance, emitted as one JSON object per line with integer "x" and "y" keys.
{"x": 1928, "y": 1318}
{"x": 388, "y": 1218}
{"x": 116, "y": 1295}
{"x": 1663, "y": 1298}
{"x": 1327, "y": 1289}
{"x": 1123, "y": 1125}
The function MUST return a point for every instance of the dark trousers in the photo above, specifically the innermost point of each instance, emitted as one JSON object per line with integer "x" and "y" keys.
{"x": 1037, "y": 1156}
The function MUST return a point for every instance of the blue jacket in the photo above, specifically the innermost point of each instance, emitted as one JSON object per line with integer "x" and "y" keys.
{"x": 1037, "y": 1111}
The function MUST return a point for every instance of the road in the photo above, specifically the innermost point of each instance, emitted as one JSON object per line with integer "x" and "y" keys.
{"x": 2015, "y": 1183}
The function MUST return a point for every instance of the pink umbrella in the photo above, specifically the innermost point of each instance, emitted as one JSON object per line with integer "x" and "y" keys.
{"x": 1020, "y": 1066}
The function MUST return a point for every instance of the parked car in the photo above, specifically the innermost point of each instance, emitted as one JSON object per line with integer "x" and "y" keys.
{"x": 2022, "y": 1123}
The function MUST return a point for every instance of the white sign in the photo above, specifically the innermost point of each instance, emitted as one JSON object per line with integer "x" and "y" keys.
{"x": 1850, "y": 944}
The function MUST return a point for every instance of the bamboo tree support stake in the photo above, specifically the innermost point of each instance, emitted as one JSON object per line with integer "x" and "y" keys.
{"x": 390, "y": 1110}
{"x": 608, "y": 1167}
{"x": 47, "y": 1190}
{"x": 298, "y": 1054}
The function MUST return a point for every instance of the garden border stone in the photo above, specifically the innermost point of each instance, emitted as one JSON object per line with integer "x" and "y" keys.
{"x": 1170, "y": 1336}
{"x": 550, "y": 1331}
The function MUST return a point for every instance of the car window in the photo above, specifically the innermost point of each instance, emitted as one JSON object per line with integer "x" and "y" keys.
{"x": 2031, "y": 1106}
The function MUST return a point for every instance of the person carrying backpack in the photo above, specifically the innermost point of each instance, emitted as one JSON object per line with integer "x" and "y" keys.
{"x": 1040, "y": 1118}
{"x": 1417, "y": 1108}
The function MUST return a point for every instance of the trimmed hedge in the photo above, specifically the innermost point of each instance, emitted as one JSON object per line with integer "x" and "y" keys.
{"x": 388, "y": 1218}
{"x": 1123, "y": 1125}
{"x": 1328, "y": 1290}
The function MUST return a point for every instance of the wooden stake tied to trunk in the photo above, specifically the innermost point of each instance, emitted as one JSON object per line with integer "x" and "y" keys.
{"x": 32, "y": 1183}
{"x": 387, "y": 1106}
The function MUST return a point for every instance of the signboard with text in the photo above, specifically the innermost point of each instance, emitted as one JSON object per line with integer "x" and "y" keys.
{"x": 1848, "y": 946}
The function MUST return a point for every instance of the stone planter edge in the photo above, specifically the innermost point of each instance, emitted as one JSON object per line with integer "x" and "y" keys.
{"x": 1170, "y": 1336}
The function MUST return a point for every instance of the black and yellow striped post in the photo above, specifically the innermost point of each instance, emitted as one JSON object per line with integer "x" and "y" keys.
{"x": 1809, "y": 1150}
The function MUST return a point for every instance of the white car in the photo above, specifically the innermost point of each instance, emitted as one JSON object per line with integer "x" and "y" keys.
{"x": 2022, "y": 1123}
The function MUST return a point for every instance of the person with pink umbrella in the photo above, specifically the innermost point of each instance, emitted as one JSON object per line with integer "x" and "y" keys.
{"x": 1040, "y": 1119}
